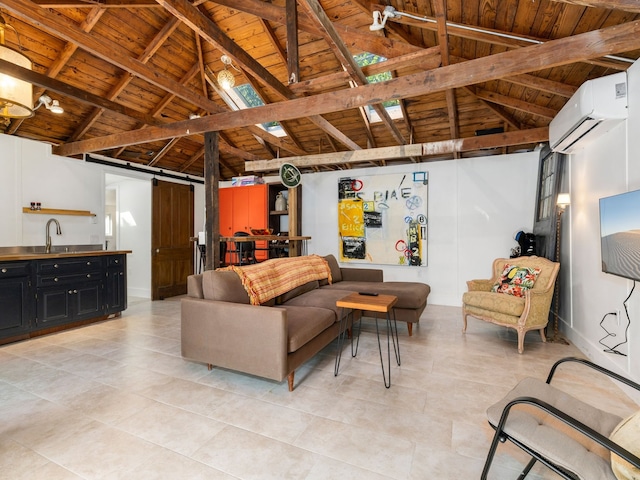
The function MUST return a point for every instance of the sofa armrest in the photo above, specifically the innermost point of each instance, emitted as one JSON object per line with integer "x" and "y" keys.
{"x": 194, "y": 286}
{"x": 247, "y": 338}
{"x": 361, "y": 274}
{"x": 480, "y": 285}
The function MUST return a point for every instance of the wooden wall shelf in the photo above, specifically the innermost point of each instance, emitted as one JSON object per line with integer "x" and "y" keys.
{"x": 59, "y": 211}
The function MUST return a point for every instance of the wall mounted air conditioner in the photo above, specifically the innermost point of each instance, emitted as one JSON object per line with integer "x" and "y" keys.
{"x": 596, "y": 107}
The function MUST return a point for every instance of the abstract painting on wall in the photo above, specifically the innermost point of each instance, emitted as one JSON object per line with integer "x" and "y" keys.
{"x": 382, "y": 219}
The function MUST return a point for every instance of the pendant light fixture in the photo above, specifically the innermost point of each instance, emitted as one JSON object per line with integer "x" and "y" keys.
{"x": 226, "y": 79}
{"x": 16, "y": 96}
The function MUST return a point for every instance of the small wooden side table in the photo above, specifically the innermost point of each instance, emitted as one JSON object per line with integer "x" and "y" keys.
{"x": 378, "y": 303}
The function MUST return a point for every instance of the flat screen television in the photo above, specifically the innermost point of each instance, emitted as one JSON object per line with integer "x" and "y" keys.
{"x": 620, "y": 234}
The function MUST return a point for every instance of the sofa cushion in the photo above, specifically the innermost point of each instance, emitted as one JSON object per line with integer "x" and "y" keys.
{"x": 223, "y": 286}
{"x": 410, "y": 295}
{"x": 506, "y": 304}
{"x": 336, "y": 273}
{"x": 515, "y": 280}
{"x": 306, "y": 323}
{"x": 321, "y": 298}
{"x": 307, "y": 287}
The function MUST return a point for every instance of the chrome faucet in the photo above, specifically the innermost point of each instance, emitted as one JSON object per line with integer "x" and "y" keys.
{"x": 47, "y": 248}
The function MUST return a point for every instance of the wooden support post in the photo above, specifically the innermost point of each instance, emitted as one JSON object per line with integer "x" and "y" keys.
{"x": 212, "y": 204}
{"x": 295, "y": 217}
{"x": 293, "y": 64}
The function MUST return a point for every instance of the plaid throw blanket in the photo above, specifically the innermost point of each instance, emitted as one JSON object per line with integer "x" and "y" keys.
{"x": 266, "y": 280}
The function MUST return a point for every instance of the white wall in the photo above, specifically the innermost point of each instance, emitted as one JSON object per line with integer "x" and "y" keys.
{"x": 604, "y": 167}
{"x": 10, "y": 198}
{"x": 475, "y": 208}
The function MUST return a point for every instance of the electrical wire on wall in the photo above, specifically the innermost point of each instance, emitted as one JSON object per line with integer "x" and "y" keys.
{"x": 614, "y": 349}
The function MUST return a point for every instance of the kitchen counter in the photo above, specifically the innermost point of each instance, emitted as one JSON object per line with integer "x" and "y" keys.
{"x": 9, "y": 257}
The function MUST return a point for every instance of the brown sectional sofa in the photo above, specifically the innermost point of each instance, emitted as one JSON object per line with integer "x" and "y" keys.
{"x": 220, "y": 327}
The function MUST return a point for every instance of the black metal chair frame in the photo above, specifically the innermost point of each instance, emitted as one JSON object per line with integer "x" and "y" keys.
{"x": 501, "y": 436}
{"x": 244, "y": 250}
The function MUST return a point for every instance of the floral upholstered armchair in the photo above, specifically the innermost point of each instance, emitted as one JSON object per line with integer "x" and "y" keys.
{"x": 518, "y": 295}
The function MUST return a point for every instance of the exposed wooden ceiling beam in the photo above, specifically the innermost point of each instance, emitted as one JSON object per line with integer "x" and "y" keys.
{"x": 515, "y": 103}
{"x": 496, "y": 109}
{"x": 63, "y": 57}
{"x": 292, "y": 138}
{"x": 104, "y": 49}
{"x": 293, "y": 63}
{"x": 63, "y": 88}
{"x": 212, "y": 33}
{"x": 497, "y": 37}
{"x": 534, "y": 82}
{"x": 358, "y": 40}
{"x": 440, "y": 9}
{"x": 268, "y": 29}
{"x": 201, "y": 24}
{"x": 126, "y": 78}
{"x": 101, "y": 3}
{"x": 264, "y": 138}
{"x": 458, "y": 145}
{"x": 513, "y": 62}
{"x": 337, "y": 46}
{"x": 625, "y": 5}
{"x": 426, "y": 59}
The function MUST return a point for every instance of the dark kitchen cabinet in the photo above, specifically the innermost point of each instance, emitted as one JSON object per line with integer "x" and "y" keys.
{"x": 47, "y": 293}
{"x": 16, "y": 299}
{"x": 69, "y": 290}
{"x": 116, "y": 284}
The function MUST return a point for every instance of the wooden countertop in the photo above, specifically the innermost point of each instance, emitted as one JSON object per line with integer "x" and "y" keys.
{"x": 41, "y": 255}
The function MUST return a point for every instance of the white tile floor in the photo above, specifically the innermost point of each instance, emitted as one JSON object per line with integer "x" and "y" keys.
{"x": 115, "y": 400}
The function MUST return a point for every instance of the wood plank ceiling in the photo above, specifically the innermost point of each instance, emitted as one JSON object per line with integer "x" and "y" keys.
{"x": 130, "y": 73}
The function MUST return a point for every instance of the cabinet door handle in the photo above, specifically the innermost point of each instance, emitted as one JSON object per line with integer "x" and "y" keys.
{"x": 88, "y": 263}
{"x": 88, "y": 275}
{"x": 55, "y": 279}
{"x": 121, "y": 274}
{"x": 75, "y": 291}
{"x": 116, "y": 261}
{"x": 4, "y": 270}
{"x": 70, "y": 292}
{"x": 55, "y": 265}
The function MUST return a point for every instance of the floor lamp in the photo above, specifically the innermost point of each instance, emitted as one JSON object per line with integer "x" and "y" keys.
{"x": 562, "y": 202}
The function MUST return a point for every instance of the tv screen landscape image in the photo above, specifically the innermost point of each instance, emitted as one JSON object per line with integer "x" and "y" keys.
{"x": 620, "y": 234}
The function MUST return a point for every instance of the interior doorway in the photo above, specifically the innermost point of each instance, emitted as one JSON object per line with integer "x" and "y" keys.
{"x": 129, "y": 202}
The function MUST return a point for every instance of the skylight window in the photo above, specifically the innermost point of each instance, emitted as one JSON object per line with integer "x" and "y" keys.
{"x": 391, "y": 106}
{"x": 244, "y": 96}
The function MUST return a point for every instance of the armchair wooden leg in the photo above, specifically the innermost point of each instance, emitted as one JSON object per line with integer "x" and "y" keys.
{"x": 209, "y": 367}
{"x": 521, "y": 341}
{"x": 290, "y": 380}
{"x": 410, "y": 328}
{"x": 464, "y": 322}
{"x": 542, "y": 335}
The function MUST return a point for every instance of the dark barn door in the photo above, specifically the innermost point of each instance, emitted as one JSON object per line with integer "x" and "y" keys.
{"x": 171, "y": 232}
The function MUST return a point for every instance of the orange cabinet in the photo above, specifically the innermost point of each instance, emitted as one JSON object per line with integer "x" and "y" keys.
{"x": 243, "y": 209}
